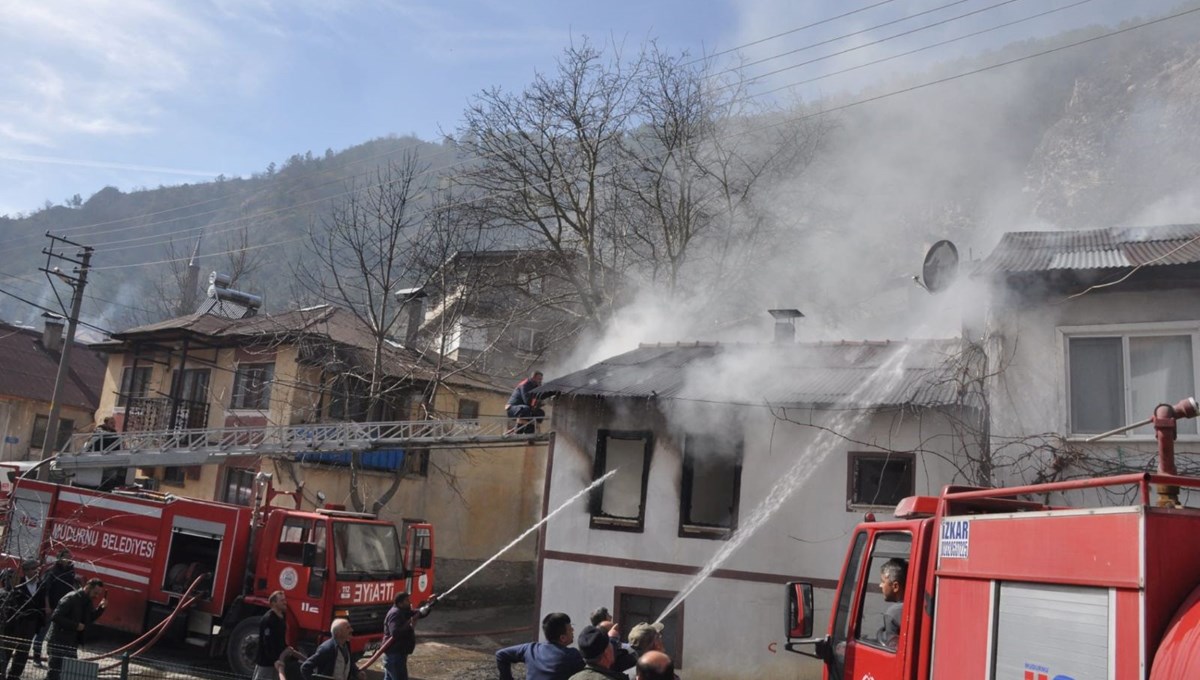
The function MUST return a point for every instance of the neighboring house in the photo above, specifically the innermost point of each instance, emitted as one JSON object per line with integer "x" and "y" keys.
{"x": 313, "y": 366}
{"x": 503, "y": 312}
{"x": 1088, "y": 331}
{"x": 699, "y": 435}
{"x": 28, "y": 365}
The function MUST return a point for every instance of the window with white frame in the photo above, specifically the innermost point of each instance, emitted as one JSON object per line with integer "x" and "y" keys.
{"x": 1116, "y": 378}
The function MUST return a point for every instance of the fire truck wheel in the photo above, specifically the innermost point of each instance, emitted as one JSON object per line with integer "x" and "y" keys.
{"x": 243, "y": 647}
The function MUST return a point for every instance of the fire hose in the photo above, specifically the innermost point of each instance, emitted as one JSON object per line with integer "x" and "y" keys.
{"x": 157, "y": 631}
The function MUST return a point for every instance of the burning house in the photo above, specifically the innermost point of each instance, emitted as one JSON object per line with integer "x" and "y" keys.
{"x": 769, "y": 453}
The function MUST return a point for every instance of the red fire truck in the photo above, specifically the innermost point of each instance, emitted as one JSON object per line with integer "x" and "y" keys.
{"x": 1002, "y": 586}
{"x": 148, "y": 548}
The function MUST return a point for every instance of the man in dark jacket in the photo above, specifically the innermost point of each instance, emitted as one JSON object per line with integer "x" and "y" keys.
{"x": 273, "y": 648}
{"x": 59, "y": 580}
{"x": 550, "y": 660}
{"x": 70, "y": 619}
{"x": 522, "y": 405}
{"x": 22, "y": 613}
{"x": 332, "y": 658}
{"x": 599, "y": 652}
{"x": 400, "y": 637}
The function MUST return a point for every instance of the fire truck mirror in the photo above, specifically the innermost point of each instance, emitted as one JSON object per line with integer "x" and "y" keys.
{"x": 426, "y": 558}
{"x": 799, "y": 610}
{"x": 308, "y": 554}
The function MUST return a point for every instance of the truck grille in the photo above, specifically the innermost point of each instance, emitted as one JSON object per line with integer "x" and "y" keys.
{"x": 367, "y": 619}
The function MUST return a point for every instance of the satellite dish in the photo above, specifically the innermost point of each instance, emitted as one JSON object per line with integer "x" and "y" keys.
{"x": 941, "y": 266}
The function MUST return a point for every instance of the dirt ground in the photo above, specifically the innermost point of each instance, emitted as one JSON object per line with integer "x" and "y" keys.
{"x": 461, "y": 643}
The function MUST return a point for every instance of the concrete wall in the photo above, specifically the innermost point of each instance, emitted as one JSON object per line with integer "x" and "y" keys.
{"x": 734, "y": 622}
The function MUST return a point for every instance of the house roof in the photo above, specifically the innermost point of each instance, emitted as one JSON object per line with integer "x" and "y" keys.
{"x": 335, "y": 324}
{"x": 778, "y": 374}
{"x": 28, "y": 369}
{"x": 1043, "y": 251}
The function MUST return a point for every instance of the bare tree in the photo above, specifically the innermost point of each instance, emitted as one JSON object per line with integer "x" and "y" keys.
{"x": 178, "y": 290}
{"x": 544, "y": 163}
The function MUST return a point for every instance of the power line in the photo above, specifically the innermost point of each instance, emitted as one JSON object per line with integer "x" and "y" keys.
{"x": 343, "y": 179}
{"x": 803, "y": 117}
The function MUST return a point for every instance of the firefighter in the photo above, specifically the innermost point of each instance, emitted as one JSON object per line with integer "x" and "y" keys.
{"x": 22, "y": 616}
{"x": 70, "y": 620}
{"x": 523, "y": 406}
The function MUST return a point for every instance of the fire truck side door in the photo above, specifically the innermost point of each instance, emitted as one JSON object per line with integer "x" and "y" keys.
{"x": 878, "y": 645}
{"x": 418, "y": 552}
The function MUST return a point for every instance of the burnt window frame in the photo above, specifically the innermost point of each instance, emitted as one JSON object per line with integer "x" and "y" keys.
{"x": 468, "y": 409}
{"x": 907, "y": 458}
{"x": 598, "y": 520}
{"x": 676, "y": 617}
{"x": 689, "y": 529}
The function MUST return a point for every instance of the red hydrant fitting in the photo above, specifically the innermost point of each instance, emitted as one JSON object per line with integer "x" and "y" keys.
{"x": 1165, "y": 417}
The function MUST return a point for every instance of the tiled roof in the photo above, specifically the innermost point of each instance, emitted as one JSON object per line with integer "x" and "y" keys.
{"x": 27, "y": 370}
{"x": 1039, "y": 251}
{"x": 777, "y": 374}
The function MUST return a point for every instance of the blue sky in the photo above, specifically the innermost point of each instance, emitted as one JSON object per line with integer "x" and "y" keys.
{"x": 135, "y": 93}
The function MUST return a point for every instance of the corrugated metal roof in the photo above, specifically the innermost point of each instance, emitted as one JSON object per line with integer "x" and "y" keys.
{"x": 1033, "y": 251}
{"x": 27, "y": 370}
{"x": 777, "y": 374}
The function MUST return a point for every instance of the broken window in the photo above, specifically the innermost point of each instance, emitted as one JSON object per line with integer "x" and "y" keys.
{"x": 66, "y": 428}
{"x": 620, "y": 503}
{"x": 712, "y": 476}
{"x": 880, "y": 479}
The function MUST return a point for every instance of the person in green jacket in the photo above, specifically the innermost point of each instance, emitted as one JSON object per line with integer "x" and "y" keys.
{"x": 69, "y": 621}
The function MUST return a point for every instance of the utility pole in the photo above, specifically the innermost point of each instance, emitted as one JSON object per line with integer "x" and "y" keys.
{"x": 77, "y": 280}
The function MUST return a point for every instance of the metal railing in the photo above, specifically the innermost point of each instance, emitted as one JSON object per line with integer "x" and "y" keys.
{"x": 194, "y": 446}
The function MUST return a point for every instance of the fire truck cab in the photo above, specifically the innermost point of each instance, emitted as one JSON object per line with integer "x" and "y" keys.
{"x": 998, "y": 587}
{"x": 150, "y": 548}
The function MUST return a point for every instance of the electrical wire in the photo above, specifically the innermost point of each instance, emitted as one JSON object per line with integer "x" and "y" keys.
{"x": 822, "y": 112}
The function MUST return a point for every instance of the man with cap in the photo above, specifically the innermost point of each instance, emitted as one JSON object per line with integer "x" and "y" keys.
{"x": 22, "y": 612}
{"x": 599, "y": 652}
{"x": 550, "y": 660}
{"x": 646, "y": 637}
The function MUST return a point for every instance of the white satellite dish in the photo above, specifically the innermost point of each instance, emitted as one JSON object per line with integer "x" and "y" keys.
{"x": 941, "y": 266}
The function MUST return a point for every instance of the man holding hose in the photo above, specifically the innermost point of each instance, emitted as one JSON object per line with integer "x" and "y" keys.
{"x": 399, "y": 636}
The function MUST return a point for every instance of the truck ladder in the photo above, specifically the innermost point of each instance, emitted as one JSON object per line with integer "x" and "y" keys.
{"x": 213, "y": 445}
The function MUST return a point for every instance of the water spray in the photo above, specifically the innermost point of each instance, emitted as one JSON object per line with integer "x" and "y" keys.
{"x": 809, "y": 459}
{"x": 530, "y": 530}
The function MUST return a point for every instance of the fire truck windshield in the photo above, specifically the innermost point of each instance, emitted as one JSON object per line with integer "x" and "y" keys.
{"x": 367, "y": 551}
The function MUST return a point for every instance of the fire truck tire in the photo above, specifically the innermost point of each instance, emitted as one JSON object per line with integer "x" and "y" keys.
{"x": 243, "y": 647}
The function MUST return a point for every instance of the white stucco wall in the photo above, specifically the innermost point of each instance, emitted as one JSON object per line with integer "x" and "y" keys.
{"x": 1027, "y": 352}
{"x": 731, "y": 625}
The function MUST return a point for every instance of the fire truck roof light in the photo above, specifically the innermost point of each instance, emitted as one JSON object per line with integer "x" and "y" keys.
{"x": 916, "y": 506}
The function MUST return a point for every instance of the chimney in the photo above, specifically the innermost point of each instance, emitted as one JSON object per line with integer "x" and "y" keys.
{"x": 412, "y": 300}
{"x": 785, "y": 324}
{"x": 52, "y": 332}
